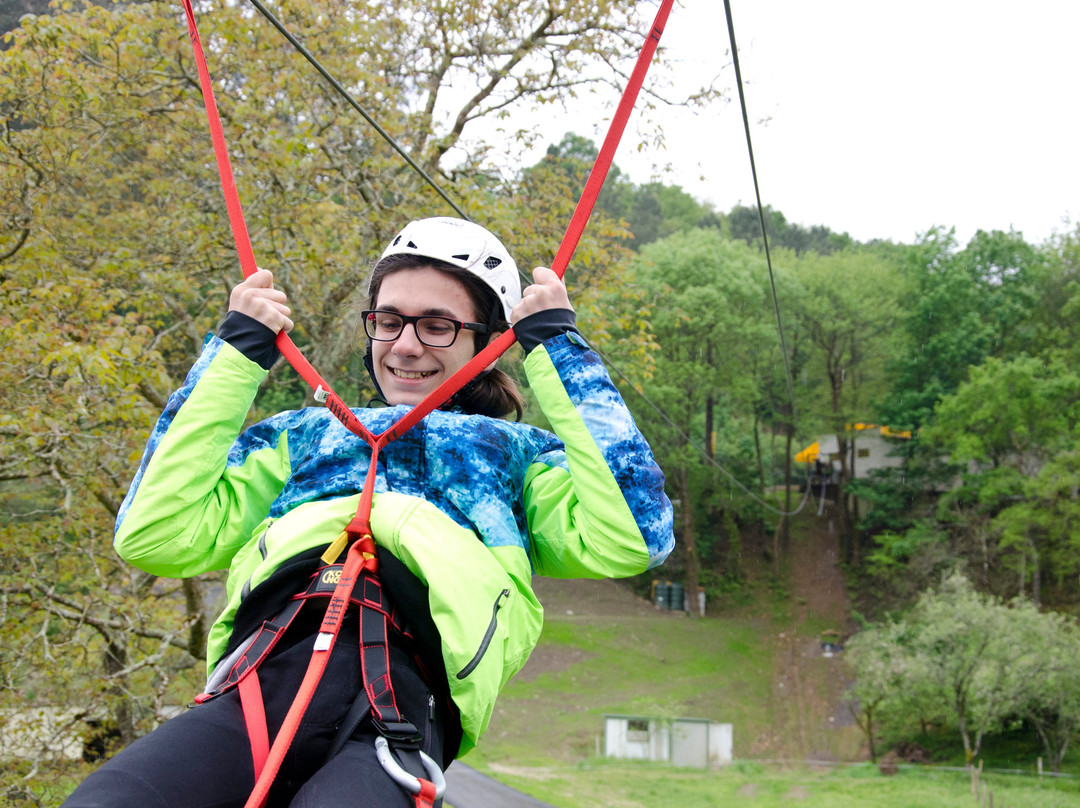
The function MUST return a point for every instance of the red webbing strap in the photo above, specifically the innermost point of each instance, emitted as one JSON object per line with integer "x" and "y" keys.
{"x": 228, "y": 183}
{"x": 495, "y": 349}
{"x": 602, "y": 164}
{"x": 243, "y": 240}
{"x": 251, "y": 702}
{"x": 360, "y": 556}
{"x": 570, "y": 238}
{"x": 360, "y": 525}
{"x": 425, "y": 798}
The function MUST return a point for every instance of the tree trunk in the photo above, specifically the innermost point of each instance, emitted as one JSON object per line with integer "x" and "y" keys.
{"x": 846, "y": 543}
{"x": 1023, "y": 572}
{"x": 870, "y": 734}
{"x": 856, "y": 549}
{"x": 196, "y": 644}
{"x": 961, "y": 708}
{"x": 757, "y": 450}
{"x": 710, "y": 444}
{"x": 689, "y": 542}
{"x": 1036, "y": 576}
{"x": 115, "y": 660}
{"x": 789, "y": 438}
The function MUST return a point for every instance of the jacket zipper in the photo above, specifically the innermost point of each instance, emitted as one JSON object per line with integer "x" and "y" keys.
{"x": 246, "y": 589}
{"x": 429, "y": 735}
{"x": 487, "y": 636}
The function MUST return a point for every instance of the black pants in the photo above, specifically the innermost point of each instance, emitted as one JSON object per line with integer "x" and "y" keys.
{"x": 202, "y": 758}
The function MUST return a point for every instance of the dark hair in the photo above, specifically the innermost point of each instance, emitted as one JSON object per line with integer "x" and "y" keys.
{"x": 492, "y": 393}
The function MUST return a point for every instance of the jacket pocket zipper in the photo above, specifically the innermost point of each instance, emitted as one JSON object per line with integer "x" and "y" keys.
{"x": 487, "y": 636}
{"x": 245, "y": 590}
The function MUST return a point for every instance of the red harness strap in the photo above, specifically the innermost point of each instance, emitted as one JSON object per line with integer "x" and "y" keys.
{"x": 378, "y": 617}
{"x": 251, "y": 702}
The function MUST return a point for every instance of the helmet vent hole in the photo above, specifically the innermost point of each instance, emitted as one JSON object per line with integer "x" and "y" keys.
{"x": 397, "y": 241}
{"x": 491, "y": 262}
{"x": 461, "y": 257}
{"x": 412, "y": 246}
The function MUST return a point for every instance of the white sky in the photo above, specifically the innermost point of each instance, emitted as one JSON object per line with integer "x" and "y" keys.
{"x": 879, "y": 119}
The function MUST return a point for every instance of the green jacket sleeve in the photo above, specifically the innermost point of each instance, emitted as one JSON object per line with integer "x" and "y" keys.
{"x": 192, "y": 506}
{"x": 598, "y": 508}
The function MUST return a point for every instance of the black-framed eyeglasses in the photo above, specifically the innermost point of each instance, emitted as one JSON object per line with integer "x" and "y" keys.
{"x": 435, "y": 332}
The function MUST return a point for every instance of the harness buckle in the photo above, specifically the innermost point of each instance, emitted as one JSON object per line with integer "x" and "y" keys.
{"x": 403, "y": 778}
{"x": 321, "y": 394}
{"x": 402, "y": 733}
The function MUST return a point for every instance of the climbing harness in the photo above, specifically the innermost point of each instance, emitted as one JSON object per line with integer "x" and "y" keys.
{"x": 378, "y": 619}
{"x": 361, "y": 562}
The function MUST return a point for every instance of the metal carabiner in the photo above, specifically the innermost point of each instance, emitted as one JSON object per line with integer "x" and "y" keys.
{"x": 402, "y": 777}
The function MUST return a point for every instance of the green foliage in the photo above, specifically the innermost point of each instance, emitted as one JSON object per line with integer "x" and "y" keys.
{"x": 712, "y": 349}
{"x": 1010, "y": 432}
{"x": 966, "y": 306}
{"x": 648, "y": 212}
{"x": 847, "y": 307}
{"x": 744, "y": 223}
{"x": 1010, "y": 414}
{"x": 1056, "y": 317}
{"x": 973, "y": 662}
{"x": 1044, "y": 524}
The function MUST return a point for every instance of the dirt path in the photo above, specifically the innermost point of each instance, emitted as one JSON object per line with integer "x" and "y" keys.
{"x": 809, "y": 715}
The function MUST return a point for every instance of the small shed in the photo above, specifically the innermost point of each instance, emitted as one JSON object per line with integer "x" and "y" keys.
{"x": 690, "y": 742}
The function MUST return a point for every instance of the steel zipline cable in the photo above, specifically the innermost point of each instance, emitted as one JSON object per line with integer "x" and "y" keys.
{"x": 353, "y": 103}
{"x": 761, "y": 210}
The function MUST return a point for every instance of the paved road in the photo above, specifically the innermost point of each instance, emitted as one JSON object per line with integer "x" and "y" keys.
{"x": 467, "y": 788}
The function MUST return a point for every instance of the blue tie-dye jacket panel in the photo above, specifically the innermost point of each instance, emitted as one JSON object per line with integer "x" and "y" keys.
{"x": 471, "y": 467}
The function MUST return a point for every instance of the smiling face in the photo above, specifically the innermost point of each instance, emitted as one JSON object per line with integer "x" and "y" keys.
{"x": 406, "y": 369}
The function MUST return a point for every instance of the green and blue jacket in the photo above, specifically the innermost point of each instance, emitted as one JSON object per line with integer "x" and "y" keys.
{"x": 473, "y": 506}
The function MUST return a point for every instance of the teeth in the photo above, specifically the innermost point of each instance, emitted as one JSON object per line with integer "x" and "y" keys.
{"x": 410, "y": 374}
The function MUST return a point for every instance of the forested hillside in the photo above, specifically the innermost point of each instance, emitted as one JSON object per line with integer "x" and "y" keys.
{"x": 116, "y": 260}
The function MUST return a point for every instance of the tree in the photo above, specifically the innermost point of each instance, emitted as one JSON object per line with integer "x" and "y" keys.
{"x": 975, "y": 659}
{"x": 966, "y": 306}
{"x": 745, "y": 224}
{"x": 965, "y": 644}
{"x": 1043, "y": 526}
{"x": 847, "y": 312}
{"x": 705, "y": 300}
{"x": 1056, "y": 314}
{"x": 650, "y": 211}
{"x": 877, "y": 657}
{"x": 1001, "y": 429}
{"x": 1047, "y": 667}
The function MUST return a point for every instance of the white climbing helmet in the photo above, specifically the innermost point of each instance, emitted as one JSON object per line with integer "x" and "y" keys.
{"x": 466, "y": 245}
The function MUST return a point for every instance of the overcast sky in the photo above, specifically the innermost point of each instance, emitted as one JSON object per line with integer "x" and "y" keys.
{"x": 879, "y": 119}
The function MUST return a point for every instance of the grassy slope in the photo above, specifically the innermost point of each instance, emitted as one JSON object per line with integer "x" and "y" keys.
{"x": 664, "y": 666}
{"x": 755, "y": 666}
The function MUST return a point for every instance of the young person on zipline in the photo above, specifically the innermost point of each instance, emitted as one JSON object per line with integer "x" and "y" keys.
{"x": 467, "y": 508}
